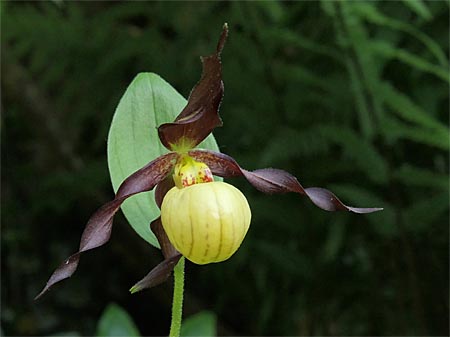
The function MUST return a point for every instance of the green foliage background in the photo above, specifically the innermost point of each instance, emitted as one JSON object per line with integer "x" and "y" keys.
{"x": 352, "y": 96}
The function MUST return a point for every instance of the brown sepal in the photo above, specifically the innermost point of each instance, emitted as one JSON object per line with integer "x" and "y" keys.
{"x": 98, "y": 229}
{"x": 157, "y": 275}
{"x": 201, "y": 114}
{"x": 167, "y": 248}
{"x": 162, "y": 271}
{"x": 273, "y": 181}
{"x": 162, "y": 188}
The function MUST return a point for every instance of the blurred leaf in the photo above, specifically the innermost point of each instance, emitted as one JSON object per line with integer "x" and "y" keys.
{"x": 362, "y": 103}
{"x": 411, "y": 175}
{"x": 372, "y": 14}
{"x": 273, "y": 9}
{"x": 283, "y": 259}
{"x": 317, "y": 140}
{"x": 133, "y": 141}
{"x": 328, "y": 7}
{"x": 307, "y": 143}
{"x": 419, "y": 7}
{"x": 393, "y": 129}
{"x": 289, "y": 38}
{"x": 358, "y": 62}
{"x": 426, "y": 211}
{"x": 356, "y": 33}
{"x": 115, "y": 321}
{"x": 385, "y": 49}
{"x": 64, "y": 334}
{"x": 362, "y": 152}
{"x": 335, "y": 239}
{"x": 407, "y": 109}
{"x": 201, "y": 324}
{"x": 302, "y": 74}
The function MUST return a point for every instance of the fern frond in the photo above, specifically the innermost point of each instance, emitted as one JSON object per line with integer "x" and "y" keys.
{"x": 386, "y": 50}
{"x": 419, "y": 7}
{"x": 372, "y": 14}
{"x": 289, "y": 38}
{"x": 410, "y": 175}
{"x": 424, "y": 212}
{"x": 393, "y": 130}
{"x": 403, "y": 106}
{"x": 360, "y": 152}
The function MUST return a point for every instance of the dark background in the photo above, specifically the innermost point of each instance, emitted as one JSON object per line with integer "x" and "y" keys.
{"x": 350, "y": 96}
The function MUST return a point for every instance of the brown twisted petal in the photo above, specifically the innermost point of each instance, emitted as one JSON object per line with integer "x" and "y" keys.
{"x": 271, "y": 180}
{"x": 157, "y": 275}
{"x": 167, "y": 248}
{"x": 162, "y": 188}
{"x": 201, "y": 114}
{"x": 98, "y": 229}
{"x": 162, "y": 271}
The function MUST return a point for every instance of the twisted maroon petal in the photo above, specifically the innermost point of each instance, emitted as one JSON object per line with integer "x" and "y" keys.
{"x": 162, "y": 271}
{"x": 167, "y": 248}
{"x": 201, "y": 114}
{"x": 162, "y": 188}
{"x": 157, "y": 275}
{"x": 98, "y": 229}
{"x": 271, "y": 180}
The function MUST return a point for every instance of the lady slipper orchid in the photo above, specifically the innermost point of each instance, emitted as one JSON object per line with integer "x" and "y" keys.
{"x": 205, "y": 220}
{"x": 201, "y": 219}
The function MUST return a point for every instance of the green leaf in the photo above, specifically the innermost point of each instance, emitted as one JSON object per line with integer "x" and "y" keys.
{"x": 360, "y": 151}
{"x": 419, "y": 7}
{"x": 287, "y": 37}
{"x": 201, "y": 324}
{"x": 405, "y": 108}
{"x": 394, "y": 130}
{"x": 385, "y": 49}
{"x": 358, "y": 35}
{"x": 317, "y": 140}
{"x": 335, "y": 238}
{"x": 372, "y": 14}
{"x": 424, "y": 212}
{"x": 115, "y": 321}
{"x": 307, "y": 143}
{"x": 362, "y": 102}
{"x": 414, "y": 176}
{"x": 274, "y": 10}
{"x": 133, "y": 141}
{"x": 285, "y": 259}
{"x": 302, "y": 74}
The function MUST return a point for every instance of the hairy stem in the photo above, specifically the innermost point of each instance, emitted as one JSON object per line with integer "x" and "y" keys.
{"x": 177, "y": 303}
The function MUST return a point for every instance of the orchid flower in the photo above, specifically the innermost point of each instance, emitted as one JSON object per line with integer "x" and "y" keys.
{"x": 187, "y": 173}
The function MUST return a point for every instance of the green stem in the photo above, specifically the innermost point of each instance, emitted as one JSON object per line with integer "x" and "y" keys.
{"x": 177, "y": 303}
